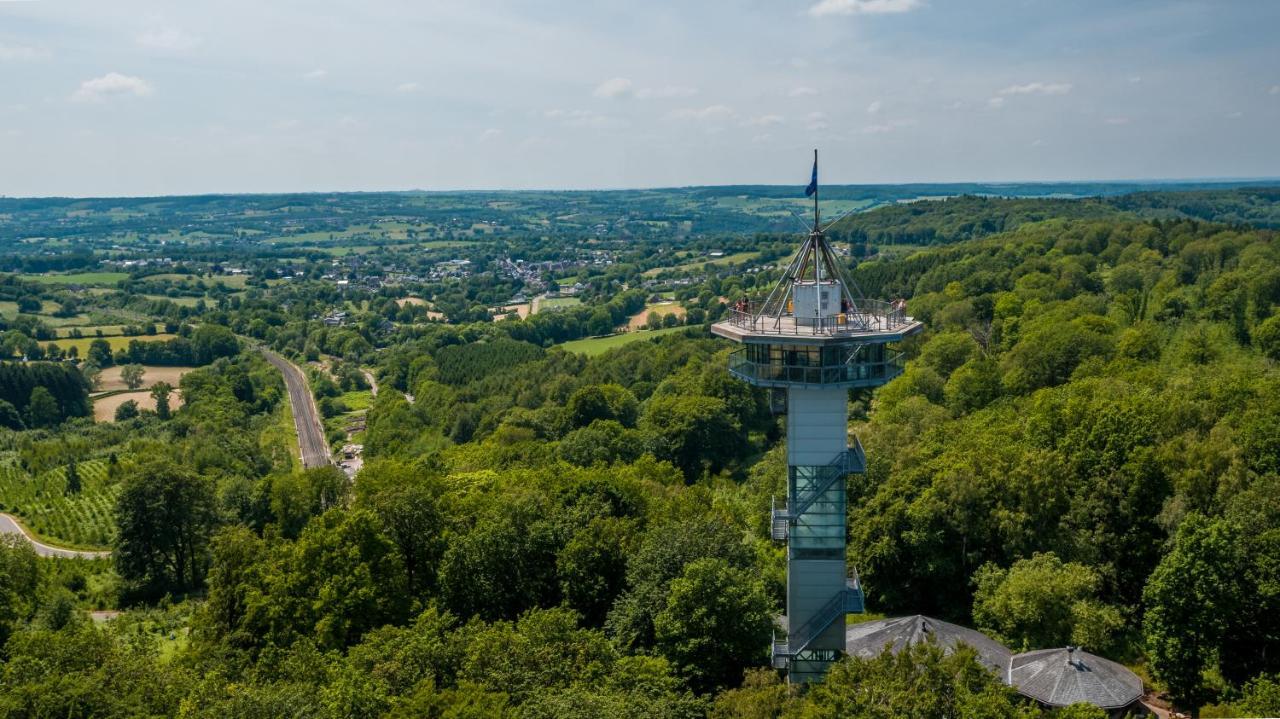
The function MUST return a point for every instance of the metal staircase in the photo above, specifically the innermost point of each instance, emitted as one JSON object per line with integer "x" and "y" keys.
{"x": 845, "y": 463}
{"x": 848, "y": 601}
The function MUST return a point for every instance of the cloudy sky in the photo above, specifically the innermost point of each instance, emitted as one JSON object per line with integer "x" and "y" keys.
{"x": 116, "y": 97}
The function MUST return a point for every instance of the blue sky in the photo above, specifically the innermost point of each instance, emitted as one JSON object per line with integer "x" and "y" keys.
{"x": 102, "y": 97}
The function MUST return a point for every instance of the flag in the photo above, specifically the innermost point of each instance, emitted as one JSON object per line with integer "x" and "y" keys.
{"x": 813, "y": 184}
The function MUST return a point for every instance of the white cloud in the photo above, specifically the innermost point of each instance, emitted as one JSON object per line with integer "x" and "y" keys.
{"x": 1117, "y": 120}
{"x": 1038, "y": 88}
{"x": 490, "y": 133}
{"x": 613, "y": 87}
{"x": 1235, "y": 115}
{"x": 316, "y": 74}
{"x": 407, "y": 87}
{"x": 582, "y": 118}
{"x": 665, "y": 92}
{"x": 802, "y": 91}
{"x": 816, "y": 121}
{"x": 995, "y": 103}
{"x": 761, "y": 138}
{"x": 889, "y": 126}
{"x": 863, "y": 7}
{"x": 111, "y": 85}
{"x": 953, "y": 105}
{"x": 1275, "y": 90}
{"x": 765, "y": 121}
{"x": 1037, "y": 142}
{"x": 22, "y": 53}
{"x": 710, "y": 112}
{"x": 874, "y": 107}
{"x": 1135, "y": 78}
{"x": 168, "y": 38}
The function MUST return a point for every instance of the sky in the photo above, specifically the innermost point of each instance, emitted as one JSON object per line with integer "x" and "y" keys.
{"x": 114, "y": 98}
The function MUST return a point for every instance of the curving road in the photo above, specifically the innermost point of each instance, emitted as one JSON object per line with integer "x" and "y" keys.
{"x": 9, "y": 525}
{"x": 306, "y": 418}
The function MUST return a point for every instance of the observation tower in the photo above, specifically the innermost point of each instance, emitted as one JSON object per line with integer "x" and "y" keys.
{"x": 814, "y": 337}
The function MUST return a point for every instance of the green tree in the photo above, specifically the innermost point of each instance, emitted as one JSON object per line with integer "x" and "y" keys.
{"x": 592, "y": 567}
{"x": 19, "y": 583}
{"x": 131, "y": 375}
{"x": 717, "y": 622}
{"x": 1043, "y": 602}
{"x": 160, "y": 393}
{"x": 1191, "y": 598}
{"x": 127, "y": 410}
{"x": 42, "y": 408}
{"x": 919, "y": 681}
{"x": 10, "y": 416}
{"x": 73, "y": 478}
{"x": 100, "y": 353}
{"x": 1266, "y": 337}
{"x": 695, "y": 433}
{"x": 972, "y": 386}
{"x": 165, "y": 514}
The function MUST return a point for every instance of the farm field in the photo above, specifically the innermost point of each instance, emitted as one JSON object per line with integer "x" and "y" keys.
{"x": 736, "y": 258}
{"x": 641, "y": 318}
{"x": 78, "y": 520}
{"x": 110, "y": 380}
{"x": 78, "y": 278}
{"x": 82, "y": 344}
{"x": 592, "y": 346}
{"x": 104, "y": 408}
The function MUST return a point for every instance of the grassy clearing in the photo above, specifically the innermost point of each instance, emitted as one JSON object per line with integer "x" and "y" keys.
{"x": 599, "y": 345}
{"x": 357, "y": 401}
{"x": 557, "y": 303}
{"x": 90, "y": 331}
{"x": 82, "y": 520}
{"x": 79, "y": 278}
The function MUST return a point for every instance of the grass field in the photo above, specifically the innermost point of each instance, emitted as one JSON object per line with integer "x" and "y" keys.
{"x": 639, "y": 319}
{"x": 358, "y": 400}
{"x": 736, "y": 258}
{"x": 79, "y": 278}
{"x": 110, "y": 379}
{"x": 82, "y": 344}
{"x": 599, "y": 345}
{"x": 90, "y": 331}
{"x": 557, "y": 303}
{"x": 104, "y": 408}
{"x": 81, "y": 520}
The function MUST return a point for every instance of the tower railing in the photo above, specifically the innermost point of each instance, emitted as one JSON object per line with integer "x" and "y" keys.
{"x": 867, "y": 316}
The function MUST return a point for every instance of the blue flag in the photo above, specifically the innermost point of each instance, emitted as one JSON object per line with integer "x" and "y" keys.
{"x": 813, "y": 184}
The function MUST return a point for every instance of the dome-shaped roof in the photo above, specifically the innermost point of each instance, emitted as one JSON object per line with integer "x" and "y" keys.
{"x": 1061, "y": 677}
{"x": 868, "y": 639}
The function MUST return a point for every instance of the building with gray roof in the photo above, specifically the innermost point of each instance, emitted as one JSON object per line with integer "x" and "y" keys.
{"x": 1061, "y": 677}
{"x": 868, "y": 639}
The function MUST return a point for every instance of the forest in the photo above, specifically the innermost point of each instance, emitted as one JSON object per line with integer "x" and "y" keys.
{"x": 1084, "y": 449}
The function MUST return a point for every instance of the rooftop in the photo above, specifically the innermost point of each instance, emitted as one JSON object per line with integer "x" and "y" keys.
{"x": 869, "y": 639}
{"x": 1061, "y": 677}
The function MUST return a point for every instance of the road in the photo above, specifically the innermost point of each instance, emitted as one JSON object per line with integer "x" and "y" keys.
{"x": 306, "y": 418}
{"x": 9, "y": 525}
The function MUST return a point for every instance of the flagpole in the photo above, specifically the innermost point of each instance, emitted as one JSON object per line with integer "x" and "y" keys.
{"x": 816, "y": 224}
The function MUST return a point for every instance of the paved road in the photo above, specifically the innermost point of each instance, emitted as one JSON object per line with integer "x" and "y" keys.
{"x": 315, "y": 450}
{"x": 9, "y": 525}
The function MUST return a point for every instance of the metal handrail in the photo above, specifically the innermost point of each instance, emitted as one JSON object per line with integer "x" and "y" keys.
{"x": 800, "y": 639}
{"x": 870, "y": 315}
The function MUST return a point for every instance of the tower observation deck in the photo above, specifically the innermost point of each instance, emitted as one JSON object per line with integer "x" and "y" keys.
{"x": 814, "y": 337}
